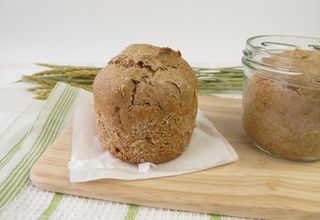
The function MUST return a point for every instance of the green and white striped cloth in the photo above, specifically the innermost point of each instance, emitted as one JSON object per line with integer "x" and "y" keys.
{"x": 19, "y": 199}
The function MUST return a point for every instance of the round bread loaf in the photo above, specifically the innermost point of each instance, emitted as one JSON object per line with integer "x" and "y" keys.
{"x": 145, "y": 102}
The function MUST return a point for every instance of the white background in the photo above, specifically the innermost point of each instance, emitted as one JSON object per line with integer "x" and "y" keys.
{"x": 79, "y": 31}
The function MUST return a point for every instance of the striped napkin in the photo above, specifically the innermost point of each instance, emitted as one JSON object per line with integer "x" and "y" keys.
{"x": 19, "y": 150}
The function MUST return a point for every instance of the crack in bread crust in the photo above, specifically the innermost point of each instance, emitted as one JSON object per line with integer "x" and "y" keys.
{"x": 127, "y": 62}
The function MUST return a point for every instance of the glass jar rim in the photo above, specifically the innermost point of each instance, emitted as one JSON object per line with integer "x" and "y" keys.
{"x": 265, "y": 46}
{"x": 253, "y": 47}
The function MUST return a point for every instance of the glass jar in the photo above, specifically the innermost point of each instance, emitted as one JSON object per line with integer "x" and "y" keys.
{"x": 281, "y": 97}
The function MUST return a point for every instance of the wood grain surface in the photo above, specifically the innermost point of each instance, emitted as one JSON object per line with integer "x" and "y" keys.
{"x": 258, "y": 185}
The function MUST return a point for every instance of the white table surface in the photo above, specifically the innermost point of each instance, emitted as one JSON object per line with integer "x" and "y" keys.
{"x": 14, "y": 98}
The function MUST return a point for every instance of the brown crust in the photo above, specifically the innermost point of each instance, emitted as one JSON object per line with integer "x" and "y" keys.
{"x": 145, "y": 102}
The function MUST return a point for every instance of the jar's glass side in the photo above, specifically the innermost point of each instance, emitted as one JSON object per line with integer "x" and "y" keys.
{"x": 280, "y": 118}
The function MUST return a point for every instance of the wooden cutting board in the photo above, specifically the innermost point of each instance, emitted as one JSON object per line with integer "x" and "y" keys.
{"x": 258, "y": 185}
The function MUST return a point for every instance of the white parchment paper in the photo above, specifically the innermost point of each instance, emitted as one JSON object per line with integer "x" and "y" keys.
{"x": 89, "y": 161}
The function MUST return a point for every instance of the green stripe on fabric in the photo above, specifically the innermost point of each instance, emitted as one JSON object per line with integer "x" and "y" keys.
{"x": 215, "y": 217}
{"x": 17, "y": 147}
{"x": 21, "y": 172}
{"x": 57, "y": 198}
{"x": 21, "y": 166}
{"x": 17, "y": 179}
{"x": 132, "y": 212}
{"x": 20, "y": 178}
{"x": 12, "y": 151}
